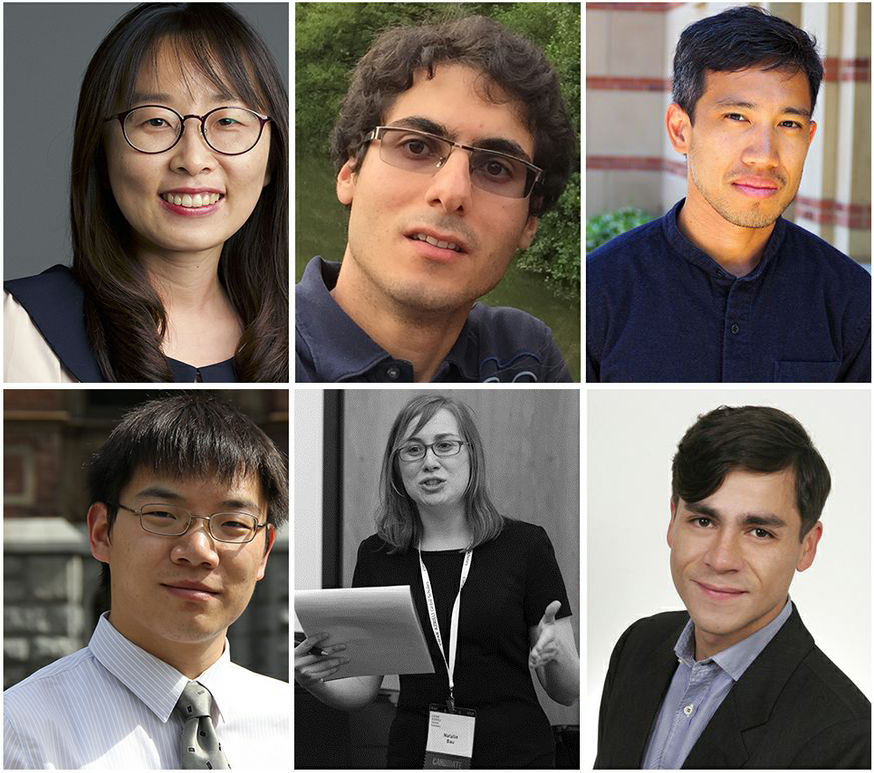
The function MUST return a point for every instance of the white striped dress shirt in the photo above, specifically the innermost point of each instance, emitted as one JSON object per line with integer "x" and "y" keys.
{"x": 110, "y": 705}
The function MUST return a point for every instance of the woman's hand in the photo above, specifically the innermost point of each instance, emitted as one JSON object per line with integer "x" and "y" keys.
{"x": 309, "y": 668}
{"x": 546, "y": 648}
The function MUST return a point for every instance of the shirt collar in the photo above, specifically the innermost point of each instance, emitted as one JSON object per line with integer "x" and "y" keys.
{"x": 701, "y": 259}
{"x": 737, "y": 658}
{"x": 156, "y": 683}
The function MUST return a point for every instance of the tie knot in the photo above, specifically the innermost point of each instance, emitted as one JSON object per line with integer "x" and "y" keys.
{"x": 195, "y": 701}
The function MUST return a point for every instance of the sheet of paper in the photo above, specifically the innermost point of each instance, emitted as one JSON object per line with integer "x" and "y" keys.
{"x": 379, "y": 627}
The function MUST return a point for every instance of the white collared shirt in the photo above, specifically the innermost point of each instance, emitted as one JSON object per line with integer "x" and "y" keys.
{"x": 110, "y": 705}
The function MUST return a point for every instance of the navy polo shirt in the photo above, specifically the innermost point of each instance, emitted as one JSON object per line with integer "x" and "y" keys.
{"x": 495, "y": 344}
{"x": 658, "y": 309}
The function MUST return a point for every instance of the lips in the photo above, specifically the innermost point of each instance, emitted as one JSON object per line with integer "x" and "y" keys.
{"x": 719, "y": 592}
{"x": 445, "y": 240}
{"x": 756, "y": 187}
{"x": 432, "y": 484}
{"x": 191, "y": 591}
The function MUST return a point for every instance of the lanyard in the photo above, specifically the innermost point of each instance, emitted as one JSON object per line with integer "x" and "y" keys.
{"x": 453, "y": 625}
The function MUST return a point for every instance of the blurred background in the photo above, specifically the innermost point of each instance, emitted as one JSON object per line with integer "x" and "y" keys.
{"x": 630, "y": 164}
{"x": 531, "y": 445}
{"x": 51, "y": 583}
{"x": 330, "y": 38}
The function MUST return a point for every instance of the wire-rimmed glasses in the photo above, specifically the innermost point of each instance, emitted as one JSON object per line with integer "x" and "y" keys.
{"x": 230, "y": 131}
{"x": 415, "y": 451}
{"x": 425, "y": 153}
{"x": 174, "y": 521}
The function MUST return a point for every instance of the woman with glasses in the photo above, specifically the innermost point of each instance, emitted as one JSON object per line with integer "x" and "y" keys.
{"x": 485, "y": 581}
{"x": 179, "y": 213}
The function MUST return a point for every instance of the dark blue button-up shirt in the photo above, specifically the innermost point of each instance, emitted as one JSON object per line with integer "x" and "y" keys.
{"x": 659, "y": 309}
{"x": 495, "y": 344}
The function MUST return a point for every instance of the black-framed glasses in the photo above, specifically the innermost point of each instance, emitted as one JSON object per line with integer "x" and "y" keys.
{"x": 415, "y": 451}
{"x": 490, "y": 170}
{"x": 174, "y": 521}
{"x": 230, "y": 131}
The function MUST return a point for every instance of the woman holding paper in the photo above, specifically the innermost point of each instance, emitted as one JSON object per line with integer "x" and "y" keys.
{"x": 488, "y": 592}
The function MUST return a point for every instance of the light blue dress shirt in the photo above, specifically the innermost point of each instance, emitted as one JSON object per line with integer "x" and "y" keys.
{"x": 697, "y": 690}
{"x": 110, "y": 705}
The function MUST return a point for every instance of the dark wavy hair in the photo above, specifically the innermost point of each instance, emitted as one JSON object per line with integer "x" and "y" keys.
{"x": 124, "y": 316}
{"x": 397, "y": 520}
{"x": 755, "y": 438}
{"x": 735, "y": 40}
{"x": 510, "y": 62}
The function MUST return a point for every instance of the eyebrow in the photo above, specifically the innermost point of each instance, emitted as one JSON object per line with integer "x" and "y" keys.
{"x": 734, "y": 102}
{"x": 168, "y": 494}
{"x": 748, "y": 519}
{"x": 498, "y": 144}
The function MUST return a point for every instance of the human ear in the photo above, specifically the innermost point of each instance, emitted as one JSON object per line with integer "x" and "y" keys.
{"x": 671, "y": 523}
{"x": 527, "y": 235}
{"x": 271, "y": 538}
{"x": 346, "y": 182}
{"x": 808, "y": 547}
{"x": 98, "y": 532}
{"x": 812, "y": 132}
{"x": 679, "y": 127}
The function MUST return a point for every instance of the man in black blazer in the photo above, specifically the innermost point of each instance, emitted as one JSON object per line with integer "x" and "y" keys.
{"x": 736, "y": 681}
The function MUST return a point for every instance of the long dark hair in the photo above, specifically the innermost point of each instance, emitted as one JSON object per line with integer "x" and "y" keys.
{"x": 397, "y": 520}
{"x": 124, "y": 316}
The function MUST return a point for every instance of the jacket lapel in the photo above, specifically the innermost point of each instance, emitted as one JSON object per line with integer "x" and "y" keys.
{"x": 643, "y": 701}
{"x": 751, "y": 701}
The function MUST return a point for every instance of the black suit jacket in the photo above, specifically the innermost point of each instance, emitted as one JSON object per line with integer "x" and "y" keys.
{"x": 792, "y": 708}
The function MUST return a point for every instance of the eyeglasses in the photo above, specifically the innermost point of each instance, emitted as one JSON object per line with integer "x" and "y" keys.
{"x": 227, "y": 130}
{"x": 415, "y": 452}
{"x": 173, "y": 521}
{"x": 490, "y": 170}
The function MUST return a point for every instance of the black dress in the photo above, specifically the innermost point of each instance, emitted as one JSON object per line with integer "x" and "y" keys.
{"x": 512, "y": 579}
{"x": 55, "y": 302}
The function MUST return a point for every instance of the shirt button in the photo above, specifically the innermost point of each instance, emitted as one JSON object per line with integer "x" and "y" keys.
{"x": 687, "y": 710}
{"x": 735, "y": 328}
{"x": 393, "y": 372}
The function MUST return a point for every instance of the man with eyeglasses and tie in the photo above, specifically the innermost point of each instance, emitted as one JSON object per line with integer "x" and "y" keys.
{"x": 186, "y": 495}
{"x": 450, "y": 142}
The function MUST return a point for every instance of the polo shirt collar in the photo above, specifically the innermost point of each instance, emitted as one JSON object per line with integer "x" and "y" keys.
{"x": 739, "y": 657}
{"x": 156, "y": 683}
{"x": 680, "y": 244}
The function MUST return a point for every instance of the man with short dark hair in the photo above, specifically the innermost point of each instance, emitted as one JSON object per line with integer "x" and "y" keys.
{"x": 186, "y": 495}
{"x": 722, "y": 288}
{"x": 451, "y": 141}
{"x": 736, "y": 680}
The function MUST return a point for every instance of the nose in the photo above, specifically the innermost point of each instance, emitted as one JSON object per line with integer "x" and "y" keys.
{"x": 430, "y": 460}
{"x": 191, "y": 154}
{"x": 724, "y": 554}
{"x": 761, "y": 149}
{"x": 196, "y": 547}
{"x": 450, "y": 186}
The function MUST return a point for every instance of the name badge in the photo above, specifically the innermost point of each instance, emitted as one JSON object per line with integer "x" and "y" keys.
{"x": 450, "y": 737}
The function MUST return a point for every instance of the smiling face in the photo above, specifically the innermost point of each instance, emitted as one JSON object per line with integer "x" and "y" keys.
{"x": 176, "y": 594}
{"x": 436, "y": 481}
{"x": 141, "y": 183}
{"x": 746, "y": 148}
{"x": 734, "y": 554}
{"x": 393, "y": 209}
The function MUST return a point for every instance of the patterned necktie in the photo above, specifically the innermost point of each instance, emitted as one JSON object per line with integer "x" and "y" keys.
{"x": 200, "y": 748}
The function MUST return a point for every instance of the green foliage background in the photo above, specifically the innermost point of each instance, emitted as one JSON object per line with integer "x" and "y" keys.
{"x": 331, "y": 37}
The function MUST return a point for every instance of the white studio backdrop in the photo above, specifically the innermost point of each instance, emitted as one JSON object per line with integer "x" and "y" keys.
{"x": 632, "y": 436}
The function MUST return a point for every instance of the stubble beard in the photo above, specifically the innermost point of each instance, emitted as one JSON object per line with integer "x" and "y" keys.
{"x": 754, "y": 218}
